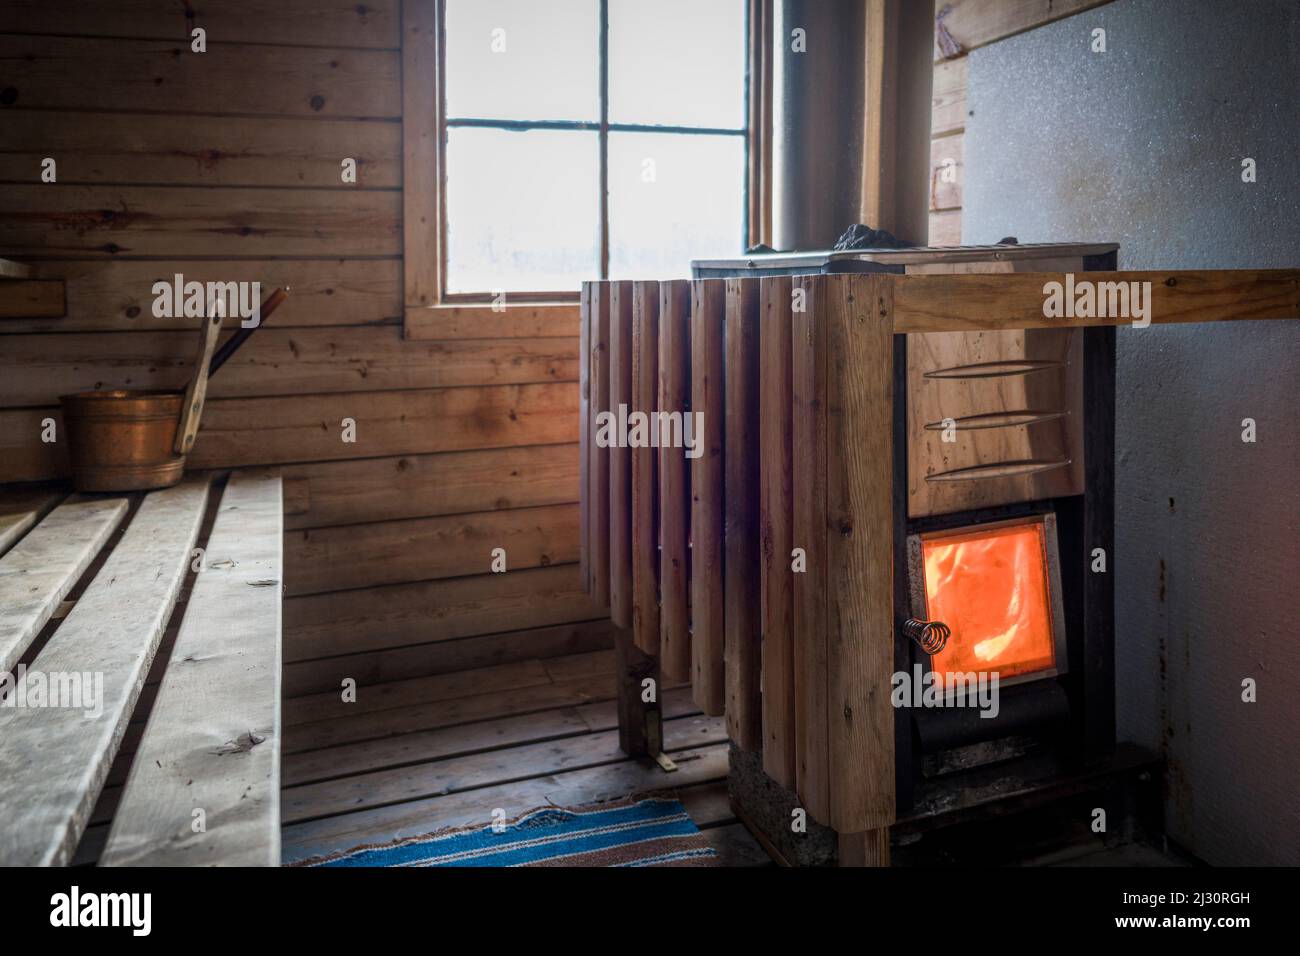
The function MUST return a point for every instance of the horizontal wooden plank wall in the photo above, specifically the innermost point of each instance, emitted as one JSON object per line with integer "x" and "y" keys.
{"x": 226, "y": 166}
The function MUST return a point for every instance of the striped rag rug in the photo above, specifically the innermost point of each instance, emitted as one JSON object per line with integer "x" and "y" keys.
{"x": 653, "y": 831}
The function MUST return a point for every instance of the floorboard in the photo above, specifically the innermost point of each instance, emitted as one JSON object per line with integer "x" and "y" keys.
{"x": 427, "y": 754}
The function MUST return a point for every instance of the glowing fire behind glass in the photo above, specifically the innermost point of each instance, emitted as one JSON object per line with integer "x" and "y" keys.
{"x": 991, "y": 587}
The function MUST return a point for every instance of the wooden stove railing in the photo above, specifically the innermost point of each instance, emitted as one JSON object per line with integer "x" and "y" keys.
{"x": 798, "y": 454}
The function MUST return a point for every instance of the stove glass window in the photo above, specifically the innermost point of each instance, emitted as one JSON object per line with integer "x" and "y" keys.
{"x": 991, "y": 585}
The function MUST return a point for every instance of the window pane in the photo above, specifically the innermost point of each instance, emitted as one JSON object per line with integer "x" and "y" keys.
{"x": 677, "y": 62}
{"x": 522, "y": 60}
{"x": 673, "y": 198}
{"x": 522, "y": 210}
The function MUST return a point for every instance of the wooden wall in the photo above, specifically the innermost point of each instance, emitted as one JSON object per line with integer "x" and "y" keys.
{"x": 225, "y": 165}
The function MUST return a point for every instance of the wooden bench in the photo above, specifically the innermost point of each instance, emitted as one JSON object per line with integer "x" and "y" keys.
{"x": 203, "y": 785}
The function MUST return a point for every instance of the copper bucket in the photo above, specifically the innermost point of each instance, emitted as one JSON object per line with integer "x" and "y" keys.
{"x": 123, "y": 439}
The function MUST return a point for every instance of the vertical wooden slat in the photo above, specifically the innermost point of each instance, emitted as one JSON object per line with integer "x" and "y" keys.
{"x": 599, "y": 477}
{"x": 741, "y": 492}
{"x": 584, "y": 436}
{"x": 870, "y": 848}
{"x": 775, "y": 528}
{"x": 645, "y": 488}
{"x": 808, "y": 409}
{"x": 674, "y": 482}
{"x": 857, "y": 311}
{"x": 708, "y": 315}
{"x": 620, "y": 456}
{"x": 640, "y": 731}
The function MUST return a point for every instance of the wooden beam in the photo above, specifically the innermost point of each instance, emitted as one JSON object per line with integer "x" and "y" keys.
{"x": 113, "y": 630}
{"x": 859, "y": 616}
{"x": 420, "y": 173}
{"x": 964, "y": 25}
{"x": 213, "y": 738}
{"x": 972, "y": 303}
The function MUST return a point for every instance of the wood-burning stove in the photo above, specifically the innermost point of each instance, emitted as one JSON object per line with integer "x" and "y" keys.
{"x": 907, "y": 469}
{"x": 992, "y": 434}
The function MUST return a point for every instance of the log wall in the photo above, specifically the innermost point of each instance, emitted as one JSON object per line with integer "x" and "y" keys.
{"x": 226, "y": 165}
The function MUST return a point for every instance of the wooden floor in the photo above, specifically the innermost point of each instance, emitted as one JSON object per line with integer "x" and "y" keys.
{"x": 415, "y": 756}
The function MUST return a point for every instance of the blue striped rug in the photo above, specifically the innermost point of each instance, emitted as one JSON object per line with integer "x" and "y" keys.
{"x": 649, "y": 832}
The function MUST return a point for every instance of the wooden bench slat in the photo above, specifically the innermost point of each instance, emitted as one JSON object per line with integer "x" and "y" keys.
{"x": 20, "y": 510}
{"x": 55, "y": 759}
{"x": 212, "y": 741}
{"x": 42, "y": 568}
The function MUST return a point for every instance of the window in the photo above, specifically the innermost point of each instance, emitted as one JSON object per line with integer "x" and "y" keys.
{"x": 590, "y": 139}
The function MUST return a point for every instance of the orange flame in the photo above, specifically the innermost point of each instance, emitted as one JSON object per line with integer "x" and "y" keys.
{"x": 991, "y": 587}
